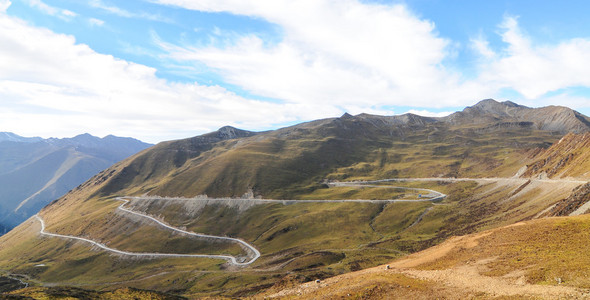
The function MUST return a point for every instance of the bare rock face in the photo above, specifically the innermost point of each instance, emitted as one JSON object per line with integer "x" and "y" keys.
{"x": 228, "y": 133}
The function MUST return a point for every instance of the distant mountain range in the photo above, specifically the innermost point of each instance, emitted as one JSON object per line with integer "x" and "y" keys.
{"x": 11, "y": 137}
{"x": 36, "y": 171}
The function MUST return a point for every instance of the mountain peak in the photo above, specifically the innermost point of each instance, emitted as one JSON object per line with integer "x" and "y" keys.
{"x": 550, "y": 118}
{"x": 489, "y": 106}
{"x": 493, "y": 106}
{"x": 229, "y": 132}
{"x": 346, "y": 116}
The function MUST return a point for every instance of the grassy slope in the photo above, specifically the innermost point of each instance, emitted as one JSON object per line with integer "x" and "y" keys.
{"x": 313, "y": 240}
{"x": 77, "y": 293}
{"x": 292, "y": 162}
{"x": 534, "y": 259}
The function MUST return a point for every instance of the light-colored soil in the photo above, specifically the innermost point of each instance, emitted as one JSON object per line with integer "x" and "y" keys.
{"x": 406, "y": 278}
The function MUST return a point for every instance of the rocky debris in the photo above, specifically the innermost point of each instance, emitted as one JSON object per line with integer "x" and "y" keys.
{"x": 565, "y": 207}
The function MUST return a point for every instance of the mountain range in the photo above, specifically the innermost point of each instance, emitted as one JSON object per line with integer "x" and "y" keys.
{"x": 292, "y": 161}
{"x": 498, "y": 164}
{"x": 36, "y": 171}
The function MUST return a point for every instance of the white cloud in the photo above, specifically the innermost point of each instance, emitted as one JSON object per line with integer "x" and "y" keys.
{"x": 95, "y": 22}
{"x": 481, "y": 45}
{"x": 348, "y": 53}
{"x": 4, "y": 5}
{"x": 63, "y": 14}
{"x": 110, "y": 8}
{"x": 333, "y": 57}
{"x": 426, "y": 113}
{"x": 534, "y": 70}
{"x": 51, "y": 84}
{"x": 117, "y": 11}
{"x": 335, "y": 53}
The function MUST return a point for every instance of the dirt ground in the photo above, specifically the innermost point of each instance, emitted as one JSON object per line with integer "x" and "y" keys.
{"x": 405, "y": 278}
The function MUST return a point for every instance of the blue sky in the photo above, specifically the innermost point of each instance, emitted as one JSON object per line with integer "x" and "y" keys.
{"x": 166, "y": 69}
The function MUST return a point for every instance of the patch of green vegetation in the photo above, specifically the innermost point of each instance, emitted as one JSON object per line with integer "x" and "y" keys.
{"x": 78, "y": 293}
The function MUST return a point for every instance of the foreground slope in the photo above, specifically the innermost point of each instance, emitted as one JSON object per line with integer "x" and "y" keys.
{"x": 535, "y": 259}
{"x": 299, "y": 241}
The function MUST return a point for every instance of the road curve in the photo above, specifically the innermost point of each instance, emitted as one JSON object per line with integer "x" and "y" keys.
{"x": 431, "y": 196}
{"x": 235, "y": 240}
{"x": 228, "y": 258}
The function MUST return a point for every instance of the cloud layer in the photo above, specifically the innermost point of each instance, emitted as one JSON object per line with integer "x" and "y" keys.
{"x": 535, "y": 70}
{"x": 349, "y": 53}
{"x": 341, "y": 53}
{"x": 51, "y": 84}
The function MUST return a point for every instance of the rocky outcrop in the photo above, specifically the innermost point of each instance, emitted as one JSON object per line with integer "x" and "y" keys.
{"x": 569, "y": 157}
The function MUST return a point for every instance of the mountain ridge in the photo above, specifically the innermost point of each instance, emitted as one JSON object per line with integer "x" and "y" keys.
{"x": 11, "y": 137}
{"x": 332, "y": 135}
{"x": 553, "y": 118}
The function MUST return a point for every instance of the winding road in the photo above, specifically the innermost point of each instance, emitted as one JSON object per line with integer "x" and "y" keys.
{"x": 430, "y": 195}
{"x": 229, "y": 258}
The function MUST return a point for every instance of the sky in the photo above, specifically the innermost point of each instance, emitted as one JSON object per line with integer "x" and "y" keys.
{"x": 168, "y": 69}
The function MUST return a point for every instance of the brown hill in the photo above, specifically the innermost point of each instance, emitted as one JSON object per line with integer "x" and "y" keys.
{"x": 551, "y": 118}
{"x": 569, "y": 157}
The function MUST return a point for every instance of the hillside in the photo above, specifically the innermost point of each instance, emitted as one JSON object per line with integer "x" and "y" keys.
{"x": 569, "y": 157}
{"x": 34, "y": 171}
{"x": 471, "y": 156}
{"x": 540, "y": 259}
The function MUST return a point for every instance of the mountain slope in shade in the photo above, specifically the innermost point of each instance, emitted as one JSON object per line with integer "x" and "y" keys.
{"x": 34, "y": 171}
